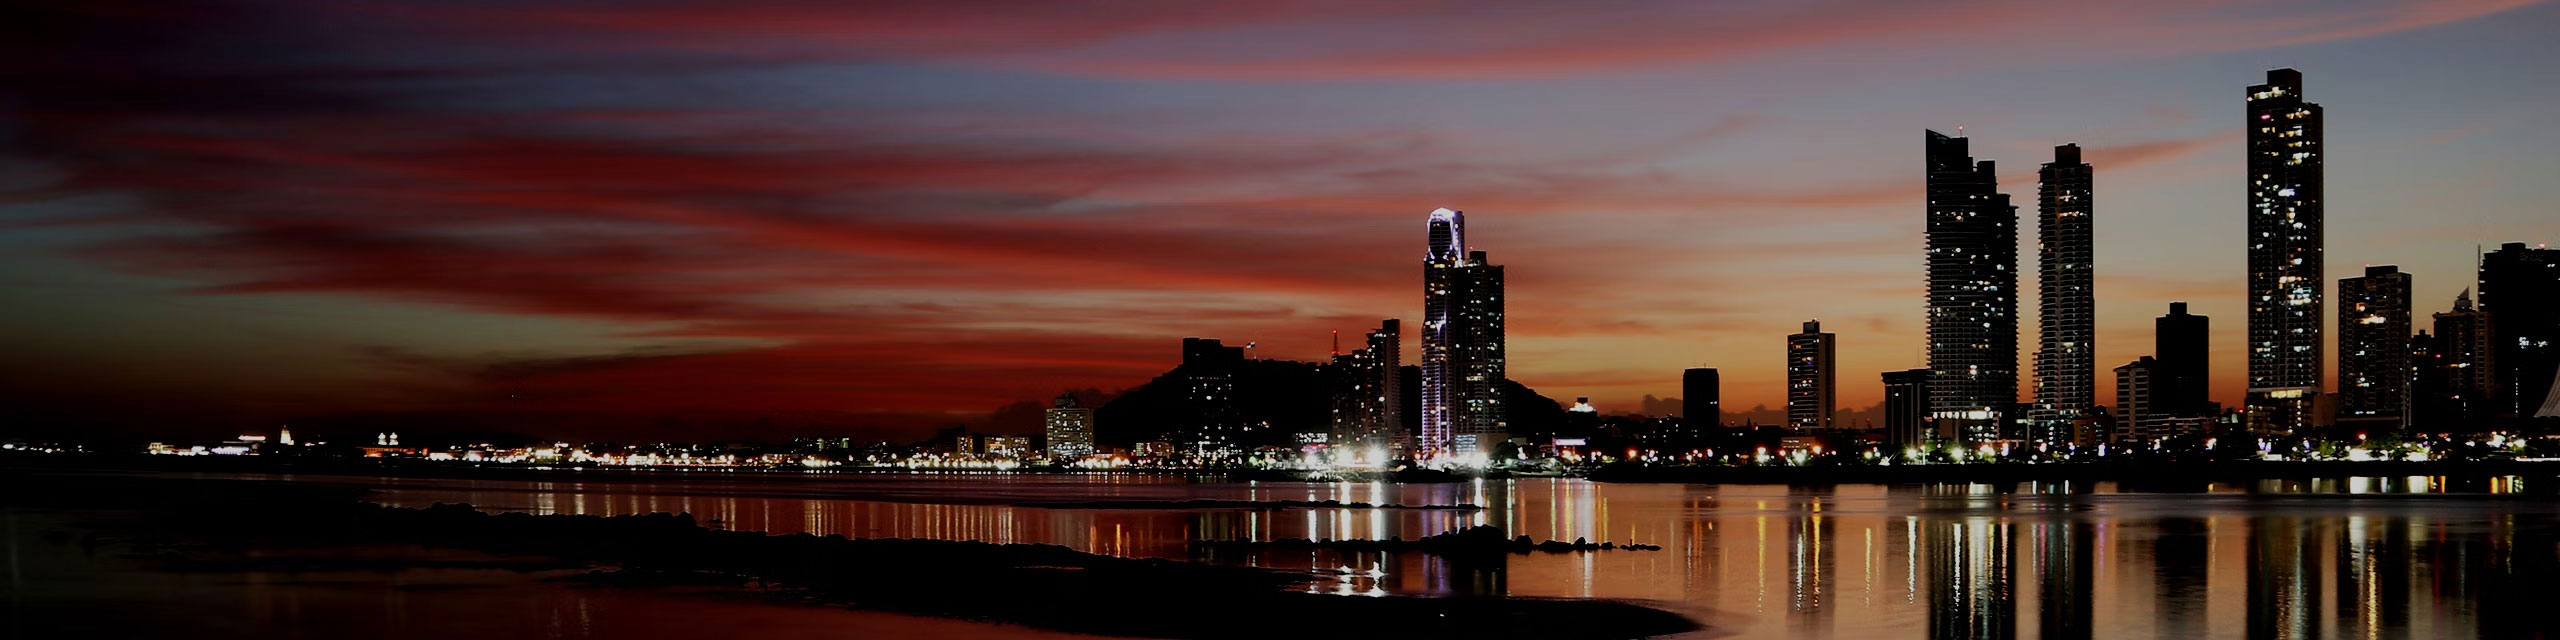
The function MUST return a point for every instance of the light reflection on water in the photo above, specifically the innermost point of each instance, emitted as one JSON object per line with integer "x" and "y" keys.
{"x": 2379, "y": 558}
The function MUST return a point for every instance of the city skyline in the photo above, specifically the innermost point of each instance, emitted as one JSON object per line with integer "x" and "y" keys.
{"x": 650, "y": 248}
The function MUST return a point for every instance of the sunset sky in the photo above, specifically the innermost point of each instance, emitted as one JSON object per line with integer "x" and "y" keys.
{"x": 219, "y": 213}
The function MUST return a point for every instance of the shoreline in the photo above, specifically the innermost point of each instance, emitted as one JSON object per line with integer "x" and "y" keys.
{"x": 2147, "y": 478}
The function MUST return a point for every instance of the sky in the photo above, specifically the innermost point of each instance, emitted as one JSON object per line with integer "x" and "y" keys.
{"x": 895, "y": 214}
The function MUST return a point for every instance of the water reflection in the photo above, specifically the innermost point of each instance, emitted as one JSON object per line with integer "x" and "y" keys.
{"x": 2382, "y": 558}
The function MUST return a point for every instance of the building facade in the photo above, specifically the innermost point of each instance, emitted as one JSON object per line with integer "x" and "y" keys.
{"x": 2182, "y": 381}
{"x": 2466, "y": 347}
{"x": 2286, "y": 244}
{"x": 1702, "y": 398}
{"x": 1813, "y": 385}
{"x": 2520, "y": 288}
{"x": 2136, "y": 384}
{"x": 1906, "y": 408}
{"x": 2066, "y": 364}
{"x": 2373, "y": 347}
{"x": 1069, "y": 428}
{"x": 1973, "y": 293}
{"x": 1463, "y": 367}
{"x": 1367, "y": 401}
{"x": 1213, "y": 421}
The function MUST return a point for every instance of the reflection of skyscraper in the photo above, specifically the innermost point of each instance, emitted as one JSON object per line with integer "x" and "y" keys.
{"x": 1812, "y": 381}
{"x": 2067, "y": 316}
{"x": 1069, "y": 429}
{"x": 2284, "y": 579}
{"x": 1971, "y": 590}
{"x": 2373, "y": 347}
{"x": 2373, "y": 578}
{"x": 2285, "y": 254}
{"x": 1366, "y": 411}
{"x": 2181, "y": 565}
{"x": 1973, "y": 292}
{"x": 1810, "y": 563}
{"x": 2066, "y": 578}
{"x": 2520, "y": 288}
{"x": 1701, "y": 396}
{"x": 1462, "y": 343}
{"x": 1906, "y": 408}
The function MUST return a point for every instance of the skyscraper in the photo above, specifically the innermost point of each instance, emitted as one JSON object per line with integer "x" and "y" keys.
{"x": 1702, "y": 393}
{"x": 2467, "y": 349}
{"x": 1069, "y": 428}
{"x": 2182, "y": 379}
{"x": 2520, "y": 289}
{"x": 2285, "y": 246}
{"x": 1812, "y": 382}
{"x": 1906, "y": 408}
{"x": 2137, "y": 388}
{"x": 1367, "y": 411}
{"x": 2067, "y": 318}
{"x": 1208, "y": 372}
{"x": 1973, "y": 292}
{"x": 1462, "y": 343}
{"x": 2373, "y": 347}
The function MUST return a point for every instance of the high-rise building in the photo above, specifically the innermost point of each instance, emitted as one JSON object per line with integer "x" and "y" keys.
{"x": 1813, "y": 384}
{"x": 2373, "y": 347}
{"x": 1973, "y": 293}
{"x": 1367, "y": 411}
{"x": 2137, "y": 384}
{"x": 2431, "y": 401}
{"x": 2286, "y": 357}
{"x": 2067, "y": 319}
{"x": 2182, "y": 381}
{"x": 1208, "y": 375}
{"x": 1462, "y": 344}
{"x": 2520, "y": 289}
{"x": 1069, "y": 428}
{"x": 1702, "y": 397}
{"x": 1906, "y": 408}
{"x": 2467, "y": 349}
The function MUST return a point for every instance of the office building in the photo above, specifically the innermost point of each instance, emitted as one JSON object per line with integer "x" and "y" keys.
{"x": 2136, "y": 417}
{"x": 2066, "y": 363}
{"x": 2286, "y": 353}
{"x": 1812, "y": 382}
{"x": 1208, "y": 374}
{"x": 1069, "y": 428}
{"x": 1367, "y": 408}
{"x": 2373, "y": 348}
{"x": 1906, "y": 408}
{"x": 1973, "y": 293}
{"x": 2520, "y": 289}
{"x": 1462, "y": 344}
{"x": 2467, "y": 349}
{"x": 2182, "y": 379}
{"x": 1701, "y": 396}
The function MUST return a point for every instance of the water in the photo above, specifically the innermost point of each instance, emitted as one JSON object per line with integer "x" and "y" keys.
{"x": 2361, "y": 558}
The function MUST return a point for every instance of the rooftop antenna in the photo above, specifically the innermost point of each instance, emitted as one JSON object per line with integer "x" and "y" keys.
{"x": 1337, "y": 342}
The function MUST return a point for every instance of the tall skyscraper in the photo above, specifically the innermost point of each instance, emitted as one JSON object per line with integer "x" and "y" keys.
{"x": 2285, "y": 250}
{"x": 1813, "y": 384}
{"x": 2467, "y": 348}
{"x": 2067, "y": 318}
{"x": 2520, "y": 289}
{"x": 1208, "y": 372}
{"x": 1069, "y": 428}
{"x": 2373, "y": 347}
{"x": 2182, "y": 380}
{"x": 1367, "y": 408}
{"x": 1906, "y": 408}
{"x": 1973, "y": 293}
{"x": 2137, "y": 419}
{"x": 1702, "y": 393}
{"x": 1462, "y": 343}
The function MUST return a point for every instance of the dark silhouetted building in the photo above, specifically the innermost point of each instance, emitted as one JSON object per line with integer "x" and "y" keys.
{"x": 2285, "y": 255}
{"x": 2373, "y": 348}
{"x": 2431, "y": 401}
{"x": 1069, "y": 428}
{"x": 2520, "y": 289}
{"x": 1906, "y": 408}
{"x": 1462, "y": 344}
{"x": 2467, "y": 349}
{"x": 1702, "y": 395}
{"x": 1813, "y": 384}
{"x": 1367, "y": 409}
{"x": 2066, "y": 373}
{"x": 1973, "y": 293}
{"x": 2182, "y": 383}
{"x": 1209, "y": 395}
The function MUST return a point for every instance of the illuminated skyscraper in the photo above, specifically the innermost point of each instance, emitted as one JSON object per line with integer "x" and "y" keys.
{"x": 1069, "y": 428}
{"x": 1462, "y": 343}
{"x": 2285, "y": 250}
{"x": 1813, "y": 384}
{"x": 1702, "y": 394}
{"x": 1367, "y": 411}
{"x": 2067, "y": 318}
{"x": 2520, "y": 288}
{"x": 2373, "y": 347}
{"x": 1973, "y": 293}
